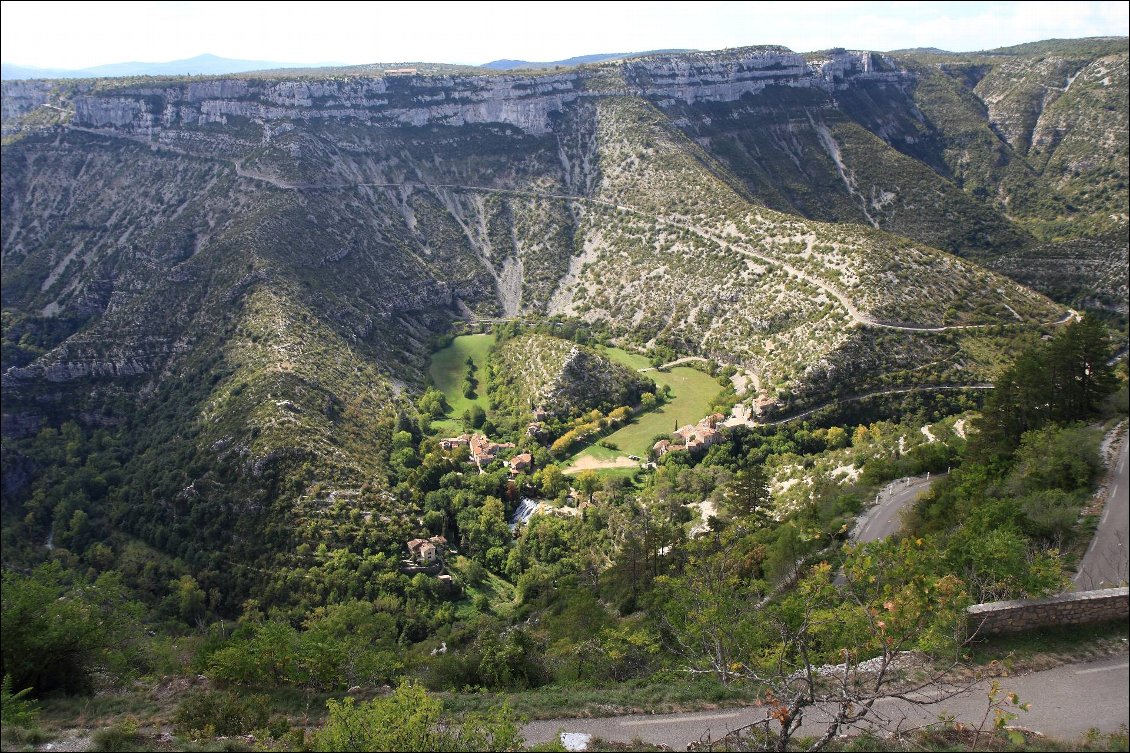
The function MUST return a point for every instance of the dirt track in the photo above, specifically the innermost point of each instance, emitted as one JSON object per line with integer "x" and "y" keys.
{"x": 589, "y": 463}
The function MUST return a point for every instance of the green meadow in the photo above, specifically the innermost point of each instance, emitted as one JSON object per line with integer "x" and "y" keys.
{"x": 449, "y": 368}
{"x": 692, "y": 394}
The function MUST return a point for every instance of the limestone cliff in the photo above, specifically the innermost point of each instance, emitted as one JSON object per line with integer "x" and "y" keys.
{"x": 525, "y": 102}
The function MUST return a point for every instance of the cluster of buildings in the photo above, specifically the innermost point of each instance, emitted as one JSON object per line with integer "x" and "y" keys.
{"x": 692, "y": 437}
{"x": 484, "y": 451}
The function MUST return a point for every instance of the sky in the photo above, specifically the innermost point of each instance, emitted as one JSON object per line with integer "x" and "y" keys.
{"x": 83, "y": 34}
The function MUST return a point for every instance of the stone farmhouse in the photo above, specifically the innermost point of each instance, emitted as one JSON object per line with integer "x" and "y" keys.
{"x": 693, "y": 437}
{"x": 483, "y": 450}
{"x": 521, "y": 463}
{"x": 427, "y": 551}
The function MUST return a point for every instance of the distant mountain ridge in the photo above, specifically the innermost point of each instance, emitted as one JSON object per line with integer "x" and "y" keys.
{"x": 200, "y": 65}
{"x": 506, "y": 64}
{"x": 214, "y": 65}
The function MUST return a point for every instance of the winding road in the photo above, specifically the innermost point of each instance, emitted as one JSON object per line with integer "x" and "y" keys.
{"x": 885, "y": 517}
{"x": 1066, "y": 702}
{"x": 748, "y": 421}
{"x": 673, "y": 364}
{"x": 1107, "y": 561}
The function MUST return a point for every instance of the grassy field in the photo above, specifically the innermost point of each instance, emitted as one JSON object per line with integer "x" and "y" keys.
{"x": 692, "y": 391}
{"x": 448, "y": 368}
{"x": 692, "y": 394}
{"x": 631, "y": 360}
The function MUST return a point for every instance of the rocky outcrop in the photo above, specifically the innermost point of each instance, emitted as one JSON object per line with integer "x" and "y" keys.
{"x": 561, "y": 377}
{"x": 21, "y": 97}
{"x": 729, "y": 75}
{"x": 75, "y": 361}
{"x": 406, "y": 100}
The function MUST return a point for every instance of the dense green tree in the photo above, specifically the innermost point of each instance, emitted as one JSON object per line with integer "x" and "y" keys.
{"x": 747, "y": 495}
{"x": 552, "y": 481}
{"x": 433, "y": 403}
{"x": 1063, "y": 458}
{"x": 587, "y": 482}
{"x": 349, "y": 644}
{"x": 485, "y": 527}
{"x": 261, "y": 652}
{"x": 707, "y": 615}
{"x": 474, "y": 418}
{"x": 188, "y": 599}
{"x": 1063, "y": 380}
{"x": 1079, "y": 375}
{"x": 57, "y": 632}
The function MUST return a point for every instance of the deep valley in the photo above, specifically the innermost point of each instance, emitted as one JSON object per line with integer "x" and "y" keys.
{"x": 290, "y": 357}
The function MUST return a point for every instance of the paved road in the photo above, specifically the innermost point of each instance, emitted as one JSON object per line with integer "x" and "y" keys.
{"x": 884, "y": 518}
{"x": 1107, "y": 561}
{"x": 1066, "y": 702}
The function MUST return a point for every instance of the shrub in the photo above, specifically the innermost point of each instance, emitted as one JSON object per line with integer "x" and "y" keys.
{"x": 277, "y": 726}
{"x": 56, "y": 632}
{"x": 120, "y": 737}
{"x": 220, "y": 713}
{"x": 410, "y": 720}
{"x": 23, "y": 736}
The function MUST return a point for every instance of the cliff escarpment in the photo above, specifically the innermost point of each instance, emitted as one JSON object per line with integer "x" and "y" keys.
{"x": 526, "y": 102}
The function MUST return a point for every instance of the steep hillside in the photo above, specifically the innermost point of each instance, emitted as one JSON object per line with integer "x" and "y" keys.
{"x": 801, "y": 152}
{"x": 674, "y": 255}
{"x": 992, "y": 152}
{"x": 1050, "y": 125}
{"x": 1084, "y": 272}
{"x": 563, "y": 378}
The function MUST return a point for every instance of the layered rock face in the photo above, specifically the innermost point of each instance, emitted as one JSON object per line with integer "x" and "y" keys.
{"x": 525, "y": 102}
{"x": 21, "y": 97}
{"x": 730, "y": 75}
{"x": 455, "y": 193}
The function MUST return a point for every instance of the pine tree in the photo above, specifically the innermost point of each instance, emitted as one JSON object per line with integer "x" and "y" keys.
{"x": 747, "y": 495}
{"x": 1060, "y": 381}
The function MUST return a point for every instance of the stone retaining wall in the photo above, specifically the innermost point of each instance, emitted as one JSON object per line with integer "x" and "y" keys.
{"x": 1077, "y": 608}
